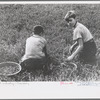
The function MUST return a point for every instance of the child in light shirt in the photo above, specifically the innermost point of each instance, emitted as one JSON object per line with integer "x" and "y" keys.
{"x": 83, "y": 40}
{"x": 35, "y": 50}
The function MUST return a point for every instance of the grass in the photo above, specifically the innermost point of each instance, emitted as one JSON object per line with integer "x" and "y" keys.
{"x": 59, "y": 73}
{"x": 16, "y": 24}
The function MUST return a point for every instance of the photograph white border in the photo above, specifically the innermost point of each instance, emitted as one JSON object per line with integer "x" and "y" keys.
{"x": 49, "y": 2}
{"x": 49, "y": 90}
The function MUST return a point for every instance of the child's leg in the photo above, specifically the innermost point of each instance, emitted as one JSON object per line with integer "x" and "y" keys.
{"x": 89, "y": 52}
{"x": 32, "y": 64}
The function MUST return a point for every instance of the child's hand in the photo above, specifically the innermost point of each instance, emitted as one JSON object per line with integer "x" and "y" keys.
{"x": 70, "y": 58}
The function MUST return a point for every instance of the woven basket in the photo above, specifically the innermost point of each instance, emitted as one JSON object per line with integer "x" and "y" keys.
{"x": 9, "y": 68}
{"x": 71, "y": 65}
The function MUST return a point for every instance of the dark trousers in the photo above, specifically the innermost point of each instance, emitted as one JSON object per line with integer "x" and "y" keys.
{"x": 33, "y": 64}
{"x": 88, "y": 54}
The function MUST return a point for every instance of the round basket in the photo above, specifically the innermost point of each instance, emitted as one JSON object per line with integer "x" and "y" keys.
{"x": 71, "y": 65}
{"x": 9, "y": 68}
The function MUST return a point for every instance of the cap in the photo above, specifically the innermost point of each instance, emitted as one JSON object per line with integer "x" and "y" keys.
{"x": 70, "y": 14}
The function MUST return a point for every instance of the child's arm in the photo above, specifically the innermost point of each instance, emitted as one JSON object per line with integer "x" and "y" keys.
{"x": 79, "y": 48}
{"x": 72, "y": 47}
{"x": 45, "y": 51}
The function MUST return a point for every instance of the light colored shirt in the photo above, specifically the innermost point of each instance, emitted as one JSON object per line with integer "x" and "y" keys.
{"x": 34, "y": 47}
{"x": 81, "y": 31}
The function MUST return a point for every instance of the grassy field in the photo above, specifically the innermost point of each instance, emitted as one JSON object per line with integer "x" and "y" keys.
{"x": 17, "y": 22}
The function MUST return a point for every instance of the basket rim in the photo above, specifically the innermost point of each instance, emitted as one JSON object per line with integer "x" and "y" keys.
{"x": 70, "y": 63}
{"x": 11, "y": 62}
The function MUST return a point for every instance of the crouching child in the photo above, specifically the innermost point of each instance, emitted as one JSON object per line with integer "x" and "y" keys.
{"x": 84, "y": 45}
{"x": 35, "y": 56}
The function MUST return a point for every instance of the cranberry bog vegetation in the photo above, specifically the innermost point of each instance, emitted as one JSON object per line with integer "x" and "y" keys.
{"x": 16, "y": 25}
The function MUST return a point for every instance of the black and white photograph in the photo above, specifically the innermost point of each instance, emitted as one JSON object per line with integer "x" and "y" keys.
{"x": 50, "y": 42}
